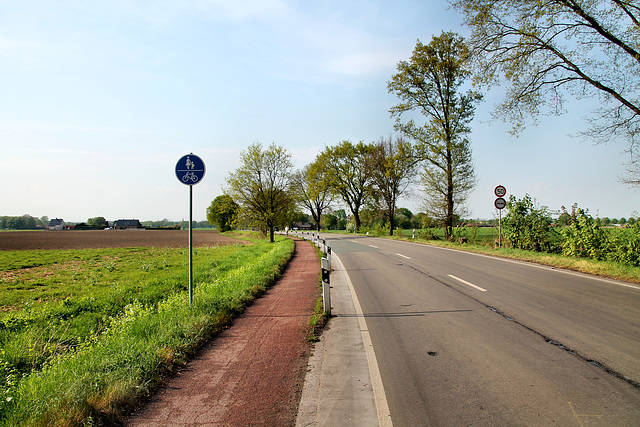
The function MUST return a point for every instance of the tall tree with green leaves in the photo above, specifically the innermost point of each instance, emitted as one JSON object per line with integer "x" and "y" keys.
{"x": 262, "y": 186}
{"x": 312, "y": 190}
{"x": 97, "y": 222}
{"x": 223, "y": 212}
{"x": 431, "y": 83}
{"x": 446, "y": 193}
{"x": 349, "y": 174}
{"x": 547, "y": 49}
{"x": 394, "y": 164}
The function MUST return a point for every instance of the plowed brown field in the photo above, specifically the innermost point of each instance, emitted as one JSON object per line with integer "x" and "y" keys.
{"x": 27, "y": 240}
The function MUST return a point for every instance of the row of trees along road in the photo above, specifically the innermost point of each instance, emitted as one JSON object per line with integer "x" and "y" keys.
{"x": 267, "y": 190}
{"x": 542, "y": 49}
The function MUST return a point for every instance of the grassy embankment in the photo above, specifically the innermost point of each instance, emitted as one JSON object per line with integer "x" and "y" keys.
{"x": 85, "y": 334}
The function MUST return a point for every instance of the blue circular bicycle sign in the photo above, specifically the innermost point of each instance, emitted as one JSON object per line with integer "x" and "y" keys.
{"x": 190, "y": 169}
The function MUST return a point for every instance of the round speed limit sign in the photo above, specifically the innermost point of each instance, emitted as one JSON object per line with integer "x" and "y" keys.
{"x": 500, "y": 191}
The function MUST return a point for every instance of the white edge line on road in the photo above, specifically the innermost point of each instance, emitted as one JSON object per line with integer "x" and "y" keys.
{"x": 534, "y": 265}
{"x": 382, "y": 407}
{"x": 373, "y": 246}
{"x": 467, "y": 283}
{"x": 403, "y": 256}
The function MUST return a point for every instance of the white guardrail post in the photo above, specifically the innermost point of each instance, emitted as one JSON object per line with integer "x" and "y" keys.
{"x": 326, "y": 286}
{"x": 325, "y": 264}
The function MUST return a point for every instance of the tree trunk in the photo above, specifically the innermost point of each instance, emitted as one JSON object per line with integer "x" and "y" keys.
{"x": 392, "y": 221}
{"x": 448, "y": 231}
{"x": 356, "y": 216}
{"x": 317, "y": 218}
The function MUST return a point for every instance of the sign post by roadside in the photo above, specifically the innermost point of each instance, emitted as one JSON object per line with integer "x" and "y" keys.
{"x": 500, "y": 203}
{"x": 190, "y": 171}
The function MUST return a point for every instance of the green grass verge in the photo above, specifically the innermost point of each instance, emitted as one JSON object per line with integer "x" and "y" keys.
{"x": 82, "y": 357}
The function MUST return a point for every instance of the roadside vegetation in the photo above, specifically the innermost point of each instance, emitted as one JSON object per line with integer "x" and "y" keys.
{"x": 86, "y": 334}
{"x": 616, "y": 249}
{"x": 604, "y": 268}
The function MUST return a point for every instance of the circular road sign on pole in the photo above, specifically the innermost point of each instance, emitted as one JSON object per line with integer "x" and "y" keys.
{"x": 190, "y": 169}
{"x": 500, "y": 204}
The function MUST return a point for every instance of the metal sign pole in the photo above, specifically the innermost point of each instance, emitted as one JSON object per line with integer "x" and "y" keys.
{"x": 190, "y": 170}
{"x": 190, "y": 245}
{"x": 499, "y": 228}
{"x": 500, "y": 191}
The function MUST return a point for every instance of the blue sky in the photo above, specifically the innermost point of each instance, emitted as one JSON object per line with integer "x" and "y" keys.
{"x": 98, "y": 101}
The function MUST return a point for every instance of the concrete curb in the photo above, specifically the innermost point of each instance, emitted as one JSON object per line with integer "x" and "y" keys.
{"x": 338, "y": 386}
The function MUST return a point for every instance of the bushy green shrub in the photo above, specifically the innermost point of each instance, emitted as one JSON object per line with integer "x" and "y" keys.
{"x": 460, "y": 233}
{"x": 527, "y": 227}
{"x": 624, "y": 246}
{"x": 584, "y": 237}
{"x": 427, "y": 234}
{"x": 381, "y": 229}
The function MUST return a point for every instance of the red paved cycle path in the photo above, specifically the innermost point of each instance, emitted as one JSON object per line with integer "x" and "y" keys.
{"x": 253, "y": 372}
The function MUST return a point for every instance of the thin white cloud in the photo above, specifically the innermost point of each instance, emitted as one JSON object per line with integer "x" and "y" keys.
{"x": 328, "y": 43}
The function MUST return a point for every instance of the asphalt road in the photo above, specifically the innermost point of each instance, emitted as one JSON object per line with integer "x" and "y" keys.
{"x": 465, "y": 339}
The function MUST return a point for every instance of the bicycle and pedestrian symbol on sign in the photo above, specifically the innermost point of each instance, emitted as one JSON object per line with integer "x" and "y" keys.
{"x": 190, "y": 169}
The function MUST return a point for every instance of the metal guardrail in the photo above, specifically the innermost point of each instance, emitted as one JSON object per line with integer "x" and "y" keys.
{"x": 325, "y": 264}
